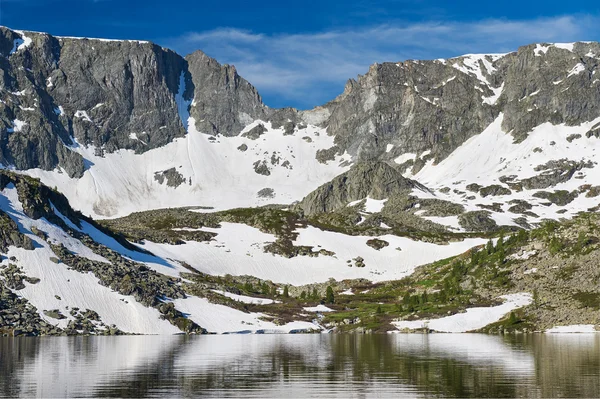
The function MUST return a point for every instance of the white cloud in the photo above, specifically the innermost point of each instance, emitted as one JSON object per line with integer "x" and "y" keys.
{"x": 309, "y": 69}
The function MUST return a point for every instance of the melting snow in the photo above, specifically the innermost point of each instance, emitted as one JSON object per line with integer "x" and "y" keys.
{"x": 472, "y": 319}
{"x": 17, "y": 126}
{"x": 238, "y": 250}
{"x": 577, "y": 69}
{"x": 217, "y": 173}
{"x": 83, "y": 114}
{"x": 576, "y": 328}
{"x": 246, "y": 299}
{"x": 318, "y": 308}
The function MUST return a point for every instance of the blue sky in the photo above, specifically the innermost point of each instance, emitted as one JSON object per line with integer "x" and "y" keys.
{"x": 301, "y": 53}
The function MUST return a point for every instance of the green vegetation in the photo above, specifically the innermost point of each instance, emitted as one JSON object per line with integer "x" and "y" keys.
{"x": 329, "y": 295}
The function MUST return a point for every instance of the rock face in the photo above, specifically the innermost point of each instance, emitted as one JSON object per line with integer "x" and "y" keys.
{"x": 376, "y": 180}
{"x": 110, "y": 95}
{"x": 62, "y": 97}
{"x": 58, "y": 93}
{"x": 415, "y": 106}
{"x": 136, "y": 95}
{"x": 549, "y": 83}
{"x": 224, "y": 101}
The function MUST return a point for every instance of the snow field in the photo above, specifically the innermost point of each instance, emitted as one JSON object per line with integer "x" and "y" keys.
{"x": 217, "y": 173}
{"x": 472, "y": 319}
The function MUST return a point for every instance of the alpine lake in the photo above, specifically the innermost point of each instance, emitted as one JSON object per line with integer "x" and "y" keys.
{"x": 303, "y": 365}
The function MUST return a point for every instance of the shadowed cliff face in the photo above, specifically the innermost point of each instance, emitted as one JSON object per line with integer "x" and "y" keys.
{"x": 136, "y": 95}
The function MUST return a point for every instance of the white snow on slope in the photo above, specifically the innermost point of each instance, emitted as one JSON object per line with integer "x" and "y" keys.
{"x": 153, "y": 262}
{"x": 17, "y": 126}
{"x": 63, "y": 289}
{"x": 577, "y": 69}
{"x": 183, "y": 106}
{"x": 223, "y": 319}
{"x": 405, "y": 157}
{"x": 318, "y": 308}
{"x": 21, "y": 43}
{"x": 487, "y": 156}
{"x": 238, "y": 250}
{"x": 373, "y": 205}
{"x": 245, "y": 299}
{"x": 471, "y": 65}
{"x": 472, "y": 319}
{"x": 491, "y": 100}
{"x": 576, "y": 328}
{"x": 540, "y": 49}
{"x": 217, "y": 173}
{"x": 83, "y": 115}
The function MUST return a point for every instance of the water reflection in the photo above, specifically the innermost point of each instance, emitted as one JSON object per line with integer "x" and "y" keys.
{"x": 302, "y": 365}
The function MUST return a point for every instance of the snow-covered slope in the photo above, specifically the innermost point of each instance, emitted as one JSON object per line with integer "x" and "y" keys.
{"x": 238, "y": 250}
{"x": 66, "y": 291}
{"x": 494, "y": 158}
{"x": 214, "y": 172}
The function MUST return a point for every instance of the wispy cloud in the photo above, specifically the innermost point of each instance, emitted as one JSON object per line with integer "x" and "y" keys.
{"x": 308, "y": 69}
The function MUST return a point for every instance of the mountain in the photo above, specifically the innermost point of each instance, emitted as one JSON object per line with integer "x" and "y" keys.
{"x": 183, "y": 201}
{"x": 92, "y": 108}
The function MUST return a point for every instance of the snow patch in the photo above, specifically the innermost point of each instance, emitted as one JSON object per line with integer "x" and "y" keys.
{"x": 84, "y": 115}
{"x": 223, "y": 319}
{"x": 183, "y": 105}
{"x": 21, "y": 43}
{"x": 577, "y": 69}
{"x": 575, "y": 328}
{"x": 318, "y": 308}
{"x": 18, "y": 126}
{"x": 472, "y": 319}
{"x": 246, "y": 299}
{"x": 405, "y": 157}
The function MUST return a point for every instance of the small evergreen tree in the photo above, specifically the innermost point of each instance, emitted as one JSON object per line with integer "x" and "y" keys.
{"x": 303, "y": 295}
{"x": 489, "y": 248}
{"x": 500, "y": 244}
{"x": 513, "y": 318}
{"x": 329, "y": 295}
{"x": 265, "y": 288}
{"x": 379, "y": 311}
{"x": 314, "y": 294}
{"x": 286, "y": 293}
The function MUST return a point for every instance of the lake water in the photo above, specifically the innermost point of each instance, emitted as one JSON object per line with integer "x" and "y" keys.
{"x": 320, "y": 365}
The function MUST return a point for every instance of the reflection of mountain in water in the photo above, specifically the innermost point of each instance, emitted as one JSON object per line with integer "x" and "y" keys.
{"x": 263, "y": 366}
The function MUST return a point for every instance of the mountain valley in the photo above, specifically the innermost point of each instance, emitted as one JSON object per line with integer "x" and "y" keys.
{"x": 142, "y": 192}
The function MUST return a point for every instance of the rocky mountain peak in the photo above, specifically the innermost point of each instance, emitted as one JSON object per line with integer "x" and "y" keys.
{"x": 224, "y": 102}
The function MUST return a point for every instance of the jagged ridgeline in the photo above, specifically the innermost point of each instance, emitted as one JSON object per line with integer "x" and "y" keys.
{"x": 193, "y": 126}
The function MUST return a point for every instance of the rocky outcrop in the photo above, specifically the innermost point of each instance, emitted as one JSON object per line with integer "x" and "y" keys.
{"x": 376, "y": 180}
{"x": 109, "y": 94}
{"x": 224, "y": 102}
{"x": 413, "y": 105}
{"x": 547, "y": 83}
{"x": 59, "y": 93}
